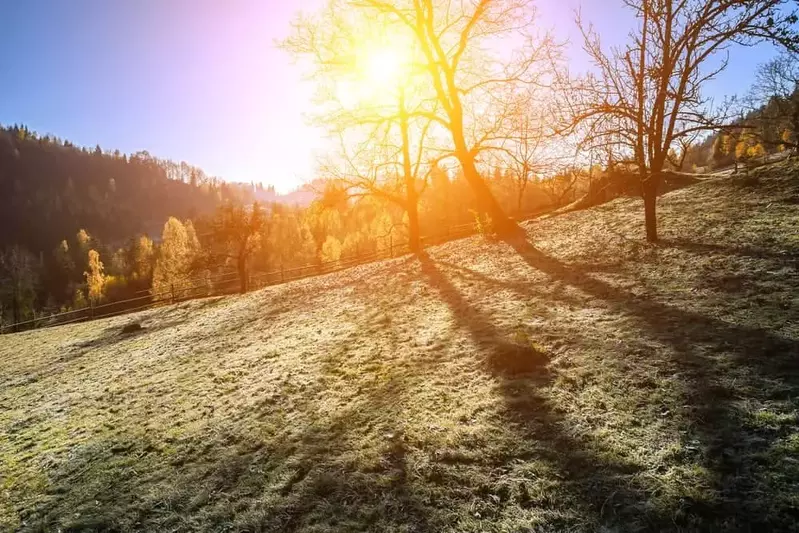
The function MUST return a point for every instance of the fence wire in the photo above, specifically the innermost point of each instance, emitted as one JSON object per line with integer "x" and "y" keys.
{"x": 229, "y": 283}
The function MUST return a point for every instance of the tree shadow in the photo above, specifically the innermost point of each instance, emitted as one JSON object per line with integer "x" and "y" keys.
{"x": 227, "y": 477}
{"x": 725, "y": 249}
{"x": 502, "y": 356}
{"x": 590, "y": 479}
{"x": 705, "y": 352}
{"x": 319, "y": 472}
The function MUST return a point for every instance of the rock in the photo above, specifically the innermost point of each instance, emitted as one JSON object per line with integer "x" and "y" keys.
{"x": 132, "y": 328}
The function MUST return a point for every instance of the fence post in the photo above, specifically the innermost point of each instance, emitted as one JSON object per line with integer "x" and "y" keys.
{"x": 282, "y": 276}
{"x": 391, "y": 246}
{"x": 173, "y": 292}
{"x": 91, "y": 309}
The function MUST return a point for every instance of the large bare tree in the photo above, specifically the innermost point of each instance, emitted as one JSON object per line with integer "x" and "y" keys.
{"x": 647, "y": 95}
{"x": 526, "y": 151}
{"x": 387, "y": 164}
{"x": 474, "y": 55}
{"x": 371, "y": 101}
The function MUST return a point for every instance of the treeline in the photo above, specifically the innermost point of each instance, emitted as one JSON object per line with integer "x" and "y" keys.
{"x": 50, "y": 188}
{"x": 750, "y": 142}
{"x": 768, "y": 124}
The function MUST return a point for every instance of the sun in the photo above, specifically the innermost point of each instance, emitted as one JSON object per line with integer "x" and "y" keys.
{"x": 384, "y": 67}
{"x": 380, "y": 70}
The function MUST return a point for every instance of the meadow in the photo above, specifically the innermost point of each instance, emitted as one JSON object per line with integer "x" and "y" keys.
{"x": 576, "y": 379}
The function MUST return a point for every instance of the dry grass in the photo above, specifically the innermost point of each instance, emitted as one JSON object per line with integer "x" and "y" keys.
{"x": 578, "y": 381}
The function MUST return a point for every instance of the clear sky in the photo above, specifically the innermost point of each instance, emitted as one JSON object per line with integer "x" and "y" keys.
{"x": 202, "y": 80}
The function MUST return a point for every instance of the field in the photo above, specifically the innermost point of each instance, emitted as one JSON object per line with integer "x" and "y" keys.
{"x": 578, "y": 380}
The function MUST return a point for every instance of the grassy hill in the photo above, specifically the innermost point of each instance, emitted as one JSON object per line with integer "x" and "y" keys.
{"x": 580, "y": 380}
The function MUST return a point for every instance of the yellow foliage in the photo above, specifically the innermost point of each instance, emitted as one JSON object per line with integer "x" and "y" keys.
{"x": 331, "y": 249}
{"x": 741, "y": 150}
{"x": 756, "y": 151}
{"x": 95, "y": 279}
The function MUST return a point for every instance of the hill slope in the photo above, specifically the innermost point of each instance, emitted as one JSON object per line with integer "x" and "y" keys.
{"x": 578, "y": 380}
{"x": 48, "y": 191}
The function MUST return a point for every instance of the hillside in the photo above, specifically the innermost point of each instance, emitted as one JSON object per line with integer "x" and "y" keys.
{"x": 50, "y": 190}
{"x": 580, "y": 380}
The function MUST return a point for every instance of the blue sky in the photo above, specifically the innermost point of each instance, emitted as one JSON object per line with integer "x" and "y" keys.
{"x": 202, "y": 80}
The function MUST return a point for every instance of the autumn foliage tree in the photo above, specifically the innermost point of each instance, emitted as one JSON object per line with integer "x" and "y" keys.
{"x": 173, "y": 267}
{"x": 95, "y": 278}
{"x": 463, "y": 88}
{"x": 774, "y": 102}
{"x": 236, "y": 231}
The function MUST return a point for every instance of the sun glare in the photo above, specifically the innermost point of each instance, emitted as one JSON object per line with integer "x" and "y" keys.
{"x": 383, "y": 67}
{"x": 380, "y": 69}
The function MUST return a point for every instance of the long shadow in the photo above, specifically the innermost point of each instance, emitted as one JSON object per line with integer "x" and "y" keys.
{"x": 589, "y": 479}
{"x": 242, "y": 484}
{"x": 237, "y": 481}
{"x": 696, "y": 343}
{"x": 228, "y": 476}
{"x": 524, "y": 287}
{"x": 503, "y": 356}
{"x": 679, "y": 327}
{"x": 725, "y": 249}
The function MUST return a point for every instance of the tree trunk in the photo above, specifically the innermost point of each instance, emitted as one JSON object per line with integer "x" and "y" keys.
{"x": 242, "y": 268}
{"x": 414, "y": 239}
{"x": 411, "y": 197}
{"x": 504, "y": 226}
{"x": 649, "y": 190}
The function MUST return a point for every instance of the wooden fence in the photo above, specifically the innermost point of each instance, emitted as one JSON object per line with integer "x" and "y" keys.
{"x": 228, "y": 282}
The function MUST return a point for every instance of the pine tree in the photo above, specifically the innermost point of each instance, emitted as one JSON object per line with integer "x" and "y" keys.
{"x": 18, "y": 279}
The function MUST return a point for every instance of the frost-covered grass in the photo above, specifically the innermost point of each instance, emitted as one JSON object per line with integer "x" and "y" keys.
{"x": 577, "y": 380}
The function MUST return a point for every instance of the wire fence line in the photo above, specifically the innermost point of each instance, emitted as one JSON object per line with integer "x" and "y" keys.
{"x": 229, "y": 282}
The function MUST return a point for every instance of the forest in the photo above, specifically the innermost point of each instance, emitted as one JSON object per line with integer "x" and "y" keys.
{"x": 156, "y": 226}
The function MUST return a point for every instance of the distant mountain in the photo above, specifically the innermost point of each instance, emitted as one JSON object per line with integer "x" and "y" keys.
{"x": 301, "y": 197}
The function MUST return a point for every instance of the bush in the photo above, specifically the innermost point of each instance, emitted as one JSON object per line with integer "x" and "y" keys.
{"x": 484, "y": 225}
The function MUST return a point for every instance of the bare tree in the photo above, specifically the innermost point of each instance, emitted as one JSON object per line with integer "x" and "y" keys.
{"x": 648, "y": 94}
{"x": 523, "y": 148}
{"x": 383, "y": 129}
{"x": 466, "y": 84}
{"x": 236, "y": 236}
{"x": 559, "y": 187}
{"x": 382, "y": 166}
